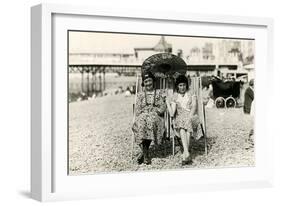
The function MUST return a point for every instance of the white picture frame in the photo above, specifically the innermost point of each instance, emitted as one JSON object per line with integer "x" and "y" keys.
{"x": 49, "y": 180}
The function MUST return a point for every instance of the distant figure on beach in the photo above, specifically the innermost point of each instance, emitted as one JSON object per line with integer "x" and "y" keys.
{"x": 150, "y": 108}
{"x": 127, "y": 92}
{"x": 182, "y": 107}
{"x": 82, "y": 96}
{"x": 249, "y": 103}
{"x": 249, "y": 97}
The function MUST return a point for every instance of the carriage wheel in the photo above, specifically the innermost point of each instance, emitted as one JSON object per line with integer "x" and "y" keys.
{"x": 220, "y": 102}
{"x": 230, "y": 102}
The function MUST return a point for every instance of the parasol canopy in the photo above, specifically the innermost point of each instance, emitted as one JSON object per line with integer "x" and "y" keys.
{"x": 164, "y": 65}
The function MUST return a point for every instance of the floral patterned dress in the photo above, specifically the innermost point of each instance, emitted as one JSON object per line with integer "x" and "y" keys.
{"x": 150, "y": 106}
{"x": 183, "y": 118}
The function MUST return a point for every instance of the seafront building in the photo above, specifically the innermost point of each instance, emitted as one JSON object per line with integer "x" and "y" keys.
{"x": 227, "y": 58}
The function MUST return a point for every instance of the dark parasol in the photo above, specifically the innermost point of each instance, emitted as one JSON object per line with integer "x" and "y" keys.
{"x": 164, "y": 65}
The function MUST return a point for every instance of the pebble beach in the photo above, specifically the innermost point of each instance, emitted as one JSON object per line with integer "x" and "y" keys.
{"x": 100, "y": 140}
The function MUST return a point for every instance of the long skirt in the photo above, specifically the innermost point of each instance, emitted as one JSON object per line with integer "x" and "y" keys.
{"x": 148, "y": 126}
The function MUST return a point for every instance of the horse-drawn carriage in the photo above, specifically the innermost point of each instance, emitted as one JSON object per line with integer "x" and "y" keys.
{"x": 166, "y": 68}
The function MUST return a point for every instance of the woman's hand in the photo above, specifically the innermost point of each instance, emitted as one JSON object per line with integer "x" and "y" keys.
{"x": 150, "y": 109}
{"x": 168, "y": 102}
{"x": 169, "y": 95}
{"x": 171, "y": 106}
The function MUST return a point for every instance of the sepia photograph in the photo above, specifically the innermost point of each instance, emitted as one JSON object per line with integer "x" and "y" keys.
{"x": 147, "y": 102}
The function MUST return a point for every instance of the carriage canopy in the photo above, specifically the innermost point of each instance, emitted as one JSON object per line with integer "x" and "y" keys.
{"x": 226, "y": 89}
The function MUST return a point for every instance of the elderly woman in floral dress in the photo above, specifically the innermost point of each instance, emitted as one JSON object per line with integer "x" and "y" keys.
{"x": 150, "y": 106}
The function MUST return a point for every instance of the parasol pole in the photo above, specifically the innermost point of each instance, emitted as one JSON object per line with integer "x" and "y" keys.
{"x": 134, "y": 117}
{"x": 203, "y": 115}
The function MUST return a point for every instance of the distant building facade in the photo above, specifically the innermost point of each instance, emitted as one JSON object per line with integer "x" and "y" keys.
{"x": 225, "y": 58}
{"x": 136, "y": 57}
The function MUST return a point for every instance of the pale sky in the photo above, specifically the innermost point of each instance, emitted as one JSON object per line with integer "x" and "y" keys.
{"x": 94, "y": 42}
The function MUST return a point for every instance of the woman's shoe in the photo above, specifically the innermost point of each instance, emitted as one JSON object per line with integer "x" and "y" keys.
{"x": 146, "y": 156}
{"x": 147, "y": 161}
{"x": 140, "y": 158}
{"x": 187, "y": 161}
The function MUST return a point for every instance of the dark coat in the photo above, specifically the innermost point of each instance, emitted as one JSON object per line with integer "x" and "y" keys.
{"x": 249, "y": 97}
